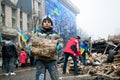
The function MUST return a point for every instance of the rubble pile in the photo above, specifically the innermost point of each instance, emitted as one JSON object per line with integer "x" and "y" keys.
{"x": 108, "y": 71}
{"x": 104, "y": 62}
{"x": 99, "y": 46}
{"x": 103, "y": 46}
{"x": 115, "y": 38}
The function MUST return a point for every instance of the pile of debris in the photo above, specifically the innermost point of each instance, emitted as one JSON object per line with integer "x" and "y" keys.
{"x": 103, "y": 63}
{"x": 102, "y": 70}
{"x": 114, "y": 38}
{"x": 103, "y": 46}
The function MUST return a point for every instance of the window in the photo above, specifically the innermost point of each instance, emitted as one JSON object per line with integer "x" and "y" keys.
{"x": 21, "y": 20}
{"x": 39, "y": 8}
{"x": 39, "y": 4}
{"x": 28, "y": 27}
{"x": 2, "y": 15}
{"x": 28, "y": 23}
{"x": 20, "y": 14}
{"x": 13, "y": 17}
{"x": 21, "y": 25}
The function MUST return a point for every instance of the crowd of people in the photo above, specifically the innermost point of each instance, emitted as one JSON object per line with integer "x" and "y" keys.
{"x": 74, "y": 48}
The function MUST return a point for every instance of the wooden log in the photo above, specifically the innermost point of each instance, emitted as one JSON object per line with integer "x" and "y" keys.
{"x": 107, "y": 77}
{"x": 79, "y": 77}
{"x": 117, "y": 56}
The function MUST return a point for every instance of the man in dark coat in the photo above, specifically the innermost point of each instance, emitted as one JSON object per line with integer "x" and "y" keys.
{"x": 9, "y": 52}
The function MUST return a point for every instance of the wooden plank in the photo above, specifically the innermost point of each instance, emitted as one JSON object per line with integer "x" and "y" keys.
{"x": 108, "y": 77}
{"x": 117, "y": 55}
{"x": 79, "y": 77}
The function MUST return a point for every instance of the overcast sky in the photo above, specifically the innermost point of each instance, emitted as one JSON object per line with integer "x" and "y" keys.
{"x": 99, "y": 18}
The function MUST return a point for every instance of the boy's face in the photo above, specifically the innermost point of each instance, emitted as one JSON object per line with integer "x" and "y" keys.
{"x": 79, "y": 40}
{"x": 47, "y": 24}
{"x": 86, "y": 42}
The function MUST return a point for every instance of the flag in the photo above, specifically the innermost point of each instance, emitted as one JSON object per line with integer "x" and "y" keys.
{"x": 55, "y": 11}
{"x": 34, "y": 30}
{"x": 0, "y": 37}
{"x": 24, "y": 38}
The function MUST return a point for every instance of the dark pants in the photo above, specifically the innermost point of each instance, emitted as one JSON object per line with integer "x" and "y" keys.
{"x": 31, "y": 60}
{"x": 74, "y": 60}
{"x": 9, "y": 65}
{"x": 42, "y": 66}
{"x": 83, "y": 60}
{"x": 23, "y": 65}
{"x": 3, "y": 63}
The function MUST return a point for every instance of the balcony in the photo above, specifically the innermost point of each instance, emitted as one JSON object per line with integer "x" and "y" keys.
{"x": 8, "y": 31}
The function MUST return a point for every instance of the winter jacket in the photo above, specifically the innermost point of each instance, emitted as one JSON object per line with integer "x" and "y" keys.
{"x": 72, "y": 47}
{"x": 9, "y": 50}
{"x": 85, "y": 48}
{"x": 23, "y": 57}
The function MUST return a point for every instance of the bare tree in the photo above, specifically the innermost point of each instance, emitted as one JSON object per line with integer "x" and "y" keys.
{"x": 81, "y": 33}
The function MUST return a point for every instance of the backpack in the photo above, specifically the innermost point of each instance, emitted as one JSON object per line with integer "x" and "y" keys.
{"x": 8, "y": 50}
{"x": 59, "y": 47}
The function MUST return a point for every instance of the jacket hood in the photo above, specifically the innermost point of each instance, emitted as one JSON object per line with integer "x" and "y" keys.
{"x": 9, "y": 43}
{"x": 47, "y": 18}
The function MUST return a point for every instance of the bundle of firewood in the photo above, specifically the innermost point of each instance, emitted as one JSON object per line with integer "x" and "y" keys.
{"x": 44, "y": 45}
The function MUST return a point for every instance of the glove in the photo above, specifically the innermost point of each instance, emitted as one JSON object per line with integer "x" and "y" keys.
{"x": 75, "y": 55}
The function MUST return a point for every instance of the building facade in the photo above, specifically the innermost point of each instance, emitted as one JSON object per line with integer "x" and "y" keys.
{"x": 24, "y": 14}
{"x": 16, "y": 14}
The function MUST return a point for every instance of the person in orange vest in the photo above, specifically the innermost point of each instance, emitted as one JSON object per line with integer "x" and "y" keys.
{"x": 72, "y": 49}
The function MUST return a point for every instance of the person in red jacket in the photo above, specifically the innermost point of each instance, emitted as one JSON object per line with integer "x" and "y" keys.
{"x": 72, "y": 49}
{"x": 23, "y": 57}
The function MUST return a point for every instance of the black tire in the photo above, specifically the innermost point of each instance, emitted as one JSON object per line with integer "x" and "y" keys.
{"x": 110, "y": 57}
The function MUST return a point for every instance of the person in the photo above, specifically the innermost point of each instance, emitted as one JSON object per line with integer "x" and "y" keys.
{"x": 9, "y": 52}
{"x": 72, "y": 49}
{"x": 31, "y": 56}
{"x": 3, "y": 57}
{"x": 23, "y": 57}
{"x": 84, "y": 46}
{"x": 60, "y": 53}
{"x": 46, "y": 63}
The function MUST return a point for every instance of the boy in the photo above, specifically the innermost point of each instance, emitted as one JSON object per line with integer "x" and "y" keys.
{"x": 43, "y": 63}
